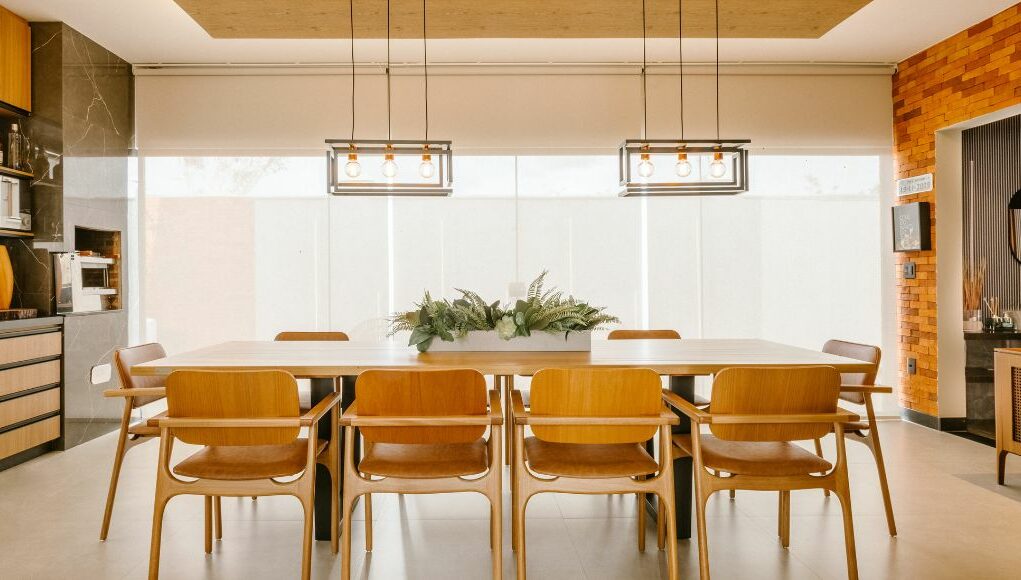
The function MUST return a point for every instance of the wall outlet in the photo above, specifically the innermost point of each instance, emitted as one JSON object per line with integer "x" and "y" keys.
{"x": 100, "y": 374}
{"x": 909, "y": 270}
{"x": 912, "y": 366}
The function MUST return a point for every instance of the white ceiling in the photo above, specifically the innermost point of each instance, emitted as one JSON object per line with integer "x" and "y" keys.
{"x": 159, "y": 31}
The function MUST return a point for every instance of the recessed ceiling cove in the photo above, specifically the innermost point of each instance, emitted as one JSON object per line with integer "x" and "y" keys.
{"x": 304, "y": 19}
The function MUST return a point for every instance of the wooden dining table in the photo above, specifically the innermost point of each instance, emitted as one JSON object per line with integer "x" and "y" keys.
{"x": 323, "y": 362}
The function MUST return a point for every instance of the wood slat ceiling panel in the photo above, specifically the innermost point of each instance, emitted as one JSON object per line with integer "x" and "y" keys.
{"x": 302, "y": 19}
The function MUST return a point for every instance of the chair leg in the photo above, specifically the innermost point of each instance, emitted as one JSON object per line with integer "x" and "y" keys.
{"x": 118, "y": 460}
{"x": 884, "y": 486}
{"x": 158, "y": 508}
{"x": 306, "y": 543}
{"x": 367, "y": 498}
{"x": 1001, "y": 465}
{"x": 345, "y": 537}
{"x": 818, "y": 451}
{"x": 703, "y": 540}
{"x": 208, "y": 536}
{"x": 666, "y": 511}
{"x": 217, "y": 519}
{"x": 520, "y": 504}
{"x": 784, "y": 519}
{"x": 733, "y": 494}
{"x": 335, "y": 511}
{"x": 496, "y": 532}
{"x": 641, "y": 520}
{"x": 660, "y": 527}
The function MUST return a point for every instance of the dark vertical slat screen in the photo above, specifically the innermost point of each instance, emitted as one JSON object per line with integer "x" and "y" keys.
{"x": 992, "y": 174}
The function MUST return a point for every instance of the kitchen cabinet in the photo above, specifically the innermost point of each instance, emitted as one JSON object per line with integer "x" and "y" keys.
{"x": 31, "y": 388}
{"x": 15, "y": 62}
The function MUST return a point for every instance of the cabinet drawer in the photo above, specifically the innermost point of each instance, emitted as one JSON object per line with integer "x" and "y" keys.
{"x": 30, "y": 377}
{"x": 29, "y": 436}
{"x": 33, "y": 346}
{"x": 28, "y": 407}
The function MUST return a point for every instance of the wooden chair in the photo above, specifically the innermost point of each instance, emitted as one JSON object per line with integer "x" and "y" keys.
{"x": 424, "y": 433}
{"x": 138, "y": 392}
{"x": 755, "y": 414}
{"x": 590, "y": 427}
{"x": 858, "y": 388}
{"x": 248, "y": 423}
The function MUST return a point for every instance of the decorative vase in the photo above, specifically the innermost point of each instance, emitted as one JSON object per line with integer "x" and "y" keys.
{"x": 490, "y": 341}
{"x": 6, "y": 279}
{"x": 972, "y": 321}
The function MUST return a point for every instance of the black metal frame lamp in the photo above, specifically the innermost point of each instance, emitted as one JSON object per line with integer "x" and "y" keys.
{"x": 703, "y": 166}
{"x": 344, "y": 159}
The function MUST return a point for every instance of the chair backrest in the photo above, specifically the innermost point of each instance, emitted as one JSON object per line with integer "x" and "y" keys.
{"x": 233, "y": 395}
{"x": 437, "y": 393}
{"x": 596, "y": 393}
{"x": 624, "y": 334}
{"x": 309, "y": 336}
{"x": 774, "y": 391}
{"x": 125, "y": 358}
{"x": 862, "y": 352}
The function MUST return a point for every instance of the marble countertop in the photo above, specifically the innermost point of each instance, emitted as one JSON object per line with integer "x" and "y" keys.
{"x": 10, "y": 325}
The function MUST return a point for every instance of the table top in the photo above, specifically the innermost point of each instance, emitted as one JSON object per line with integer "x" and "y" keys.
{"x": 331, "y": 359}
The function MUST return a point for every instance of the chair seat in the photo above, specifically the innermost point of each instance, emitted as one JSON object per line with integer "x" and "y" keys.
{"x": 588, "y": 460}
{"x": 766, "y": 458}
{"x": 149, "y": 427}
{"x": 425, "y": 460}
{"x": 247, "y": 462}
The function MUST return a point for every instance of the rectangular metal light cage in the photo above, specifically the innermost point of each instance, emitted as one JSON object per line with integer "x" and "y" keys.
{"x": 733, "y": 149}
{"x": 338, "y": 183}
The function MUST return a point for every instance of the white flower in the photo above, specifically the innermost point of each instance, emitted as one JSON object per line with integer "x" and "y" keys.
{"x": 506, "y": 328}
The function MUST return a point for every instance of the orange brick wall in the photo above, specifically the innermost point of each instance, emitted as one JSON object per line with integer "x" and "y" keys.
{"x": 972, "y": 73}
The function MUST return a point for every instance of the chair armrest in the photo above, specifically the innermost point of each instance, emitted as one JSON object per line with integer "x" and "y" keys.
{"x": 230, "y": 423}
{"x": 136, "y": 392}
{"x": 320, "y": 410}
{"x": 841, "y": 416}
{"x": 495, "y": 410}
{"x": 687, "y": 407}
{"x": 866, "y": 389}
{"x": 518, "y": 407}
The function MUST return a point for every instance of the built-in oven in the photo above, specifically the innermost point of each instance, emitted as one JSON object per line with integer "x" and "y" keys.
{"x": 14, "y": 212}
{"x": 82, "y": 282}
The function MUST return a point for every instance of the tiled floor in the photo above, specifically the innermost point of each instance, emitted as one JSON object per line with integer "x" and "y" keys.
{"x": 954, "y": 522}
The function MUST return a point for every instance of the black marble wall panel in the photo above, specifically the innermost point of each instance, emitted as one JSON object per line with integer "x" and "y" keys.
{"x": 82, "y": 130}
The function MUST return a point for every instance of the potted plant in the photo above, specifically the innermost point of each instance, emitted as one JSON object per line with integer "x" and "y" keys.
{"x": 543, "y": 320}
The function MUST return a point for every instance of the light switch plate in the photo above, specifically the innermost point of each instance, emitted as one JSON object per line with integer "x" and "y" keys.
{"x": 101, "y": 374}
{"x": 912, "y": 366}
{"x": 909, "y": 270}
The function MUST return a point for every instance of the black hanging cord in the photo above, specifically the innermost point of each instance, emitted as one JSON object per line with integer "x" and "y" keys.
{"x": 645, "y": 98}
{"x": 717, "y": 70}
{"x": 388, "y": 137}
{"x": 425, "y": 59}
{"x": 351, "y": 22}
{"x": 680, "y": 55}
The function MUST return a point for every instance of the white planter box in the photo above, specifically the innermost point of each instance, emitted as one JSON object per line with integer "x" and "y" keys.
{"x": 490, "y": 341}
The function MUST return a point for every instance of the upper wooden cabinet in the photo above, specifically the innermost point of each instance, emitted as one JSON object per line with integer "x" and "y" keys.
{"x": 15, "y": 61}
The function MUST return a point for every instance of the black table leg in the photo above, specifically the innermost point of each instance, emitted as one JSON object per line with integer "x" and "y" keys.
{"x": 322, "y": 388}
{"x": 685, "y": 387}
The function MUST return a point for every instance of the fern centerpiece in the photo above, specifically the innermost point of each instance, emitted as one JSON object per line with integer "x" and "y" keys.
{"x": 541, "y": 311}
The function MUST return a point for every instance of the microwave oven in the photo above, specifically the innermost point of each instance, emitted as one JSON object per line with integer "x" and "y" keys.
{"x": 82, "y": 282}
{"x": 14, "y": 212}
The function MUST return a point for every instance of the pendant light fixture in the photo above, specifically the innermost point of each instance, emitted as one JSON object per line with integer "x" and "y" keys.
{"x": 702, "y": 166}
{"x": 434, "y": 175}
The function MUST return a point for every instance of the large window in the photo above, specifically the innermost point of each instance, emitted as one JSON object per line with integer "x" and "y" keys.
{"x": 239, "y": 248}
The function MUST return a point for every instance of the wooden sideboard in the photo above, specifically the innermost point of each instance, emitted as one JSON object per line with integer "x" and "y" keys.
{"x": 15, "y": 63}
{"x": 31, "y": 393}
